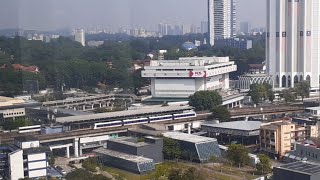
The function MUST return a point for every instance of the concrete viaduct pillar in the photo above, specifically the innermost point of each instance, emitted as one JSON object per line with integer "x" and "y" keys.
{"x": 189, "y": 128}
{"x": 76, "y": 147}
{"x": 68, "y": 152}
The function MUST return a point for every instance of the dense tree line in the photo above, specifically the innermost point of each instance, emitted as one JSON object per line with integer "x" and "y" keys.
{"x": 65, "y": 62}
{"x": 205, "y": 100}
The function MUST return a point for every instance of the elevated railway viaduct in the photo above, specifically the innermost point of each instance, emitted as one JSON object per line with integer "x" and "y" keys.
{"x": 235, "y": 113}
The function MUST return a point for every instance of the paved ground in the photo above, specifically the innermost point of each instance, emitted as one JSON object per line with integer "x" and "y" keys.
{"x": 63, "y": 162}
{"x": 53, "y": 172}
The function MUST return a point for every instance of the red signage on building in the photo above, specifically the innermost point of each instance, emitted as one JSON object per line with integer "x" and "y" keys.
{"x": 197, "y": 74}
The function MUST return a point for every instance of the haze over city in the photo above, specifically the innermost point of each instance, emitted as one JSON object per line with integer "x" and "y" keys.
{"x": 114, "y": 14}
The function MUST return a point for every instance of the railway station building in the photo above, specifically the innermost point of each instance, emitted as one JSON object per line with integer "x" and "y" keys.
{"x": 182, "y": 78}
{"x": 195, "y": 148}
{"x": 244, "y": 132}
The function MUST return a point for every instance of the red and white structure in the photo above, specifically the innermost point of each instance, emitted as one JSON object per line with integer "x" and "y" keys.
{"x": 293, "y": 41}
{"x": 182, "y": 78}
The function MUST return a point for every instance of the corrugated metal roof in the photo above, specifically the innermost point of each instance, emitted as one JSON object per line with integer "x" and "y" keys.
{"x": 237, "y": 125}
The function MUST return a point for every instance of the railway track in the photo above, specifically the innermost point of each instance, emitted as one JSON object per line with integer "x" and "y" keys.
{"x": 8, "y": 137}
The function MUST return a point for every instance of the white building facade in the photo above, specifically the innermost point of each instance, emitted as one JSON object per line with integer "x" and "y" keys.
{"x": 79, "y": 36}
{"x": 293, "y": 41}
{"x": 222, "y": 19}
{"x": 182, "y": 78}
{"x": 28, "y": 159}
{"x": 12, "y": 113}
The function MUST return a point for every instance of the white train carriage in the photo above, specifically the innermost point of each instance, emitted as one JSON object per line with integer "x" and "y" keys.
{"x": 28, "y": 129}
{"x": 135, "y": 121}
{"x": 107, "y": 124}
{"x": 161, "y": 118}
{"x": 185, "y": 115}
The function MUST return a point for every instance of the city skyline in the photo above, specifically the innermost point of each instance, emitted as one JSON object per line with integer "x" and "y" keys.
{"x": 52, "y": 15}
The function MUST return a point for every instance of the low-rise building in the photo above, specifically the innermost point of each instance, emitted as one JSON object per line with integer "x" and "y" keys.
{"x": 305, "y": 150}
{"x": 132, "y": 154}
{"x": 234, "y": 43}
{"x": 148, "y": 146}
{"x": 244, "y": 132}
{"x": 195, "y": 148}
{"x": 256, "y": 75}
{"x": 128, "y": 162}
{"x": 25, "y": 158}
{"x": 300, "y": 170}
{"x": 278, "y": 138}
{"x": 182, "y": 78}
{"x": 11, "y": 113}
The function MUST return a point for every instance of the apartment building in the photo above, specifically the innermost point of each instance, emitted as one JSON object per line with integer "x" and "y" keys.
{"x": 278, "y": 137}
{"x": 24, "y": 158}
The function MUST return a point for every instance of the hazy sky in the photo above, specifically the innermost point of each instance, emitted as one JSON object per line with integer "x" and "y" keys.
{"x": 113, "y": 14}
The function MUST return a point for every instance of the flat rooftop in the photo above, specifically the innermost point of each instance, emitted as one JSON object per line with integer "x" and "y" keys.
{"x": 237, "y": 125}
{"x": 8, "y": 101}
{"x": 128, "y": 157}
{"x": 304, "y": 167}
{"x": 27, "y": 138}
{"x": 188, "y": 137}
{"x": 119, "y": 114}
{"x": 313, "y": 108}
{"x": 131, "y": 141}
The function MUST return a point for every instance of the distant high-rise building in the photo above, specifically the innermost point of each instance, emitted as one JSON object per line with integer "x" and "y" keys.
{"x": 177, "y": 30}
{"x": 185, "y": 29}
{"x": 211, "y": 22}
{"x": 194, "y": 29}
{"x": 295, "y": 41}
{"x": 79, "y": 36}
{"x": 222, "y": 19}
{"x": 204, "y": 27}
{"x": 164, "y": 29}
{"x": 245, "y": 27}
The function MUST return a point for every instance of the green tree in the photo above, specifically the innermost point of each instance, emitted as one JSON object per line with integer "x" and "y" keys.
{"x": 264, "y": 166}
{"x": 205, "y": 100}
{"x": 288, "y": 95}
{"x": 15, "y": 124}
{"x": 193, "y": 174}
{"x": 221, "y": 113}
{"x": 90, "y": 164}
{"x": 238, "y": 154}
{"x": 138, "y": 80}
{"x": 51, "y": 160}
{"x": 82, "y": 174}
{"x": 171, "y": 149}
{"x": 258, "y": 93}
{"x": 175, "y": 174}
{"x": 302, "y": 89}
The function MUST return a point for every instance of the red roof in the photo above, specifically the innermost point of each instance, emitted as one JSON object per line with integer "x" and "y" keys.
{"x": 19, "y": 67}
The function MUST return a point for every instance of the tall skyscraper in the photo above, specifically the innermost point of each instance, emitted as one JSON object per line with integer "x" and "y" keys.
{"x": 297, "y": 41}
{"x": 164, "y": 29}
{"x": 222, "y": 19}
{"x": 79, "y": 36}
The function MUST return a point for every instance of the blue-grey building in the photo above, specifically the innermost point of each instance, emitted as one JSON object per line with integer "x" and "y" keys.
{"x": 234, "y": 43}
{"x": 300, "y": 170}
{"x": 305, "y": 150}
{"x": 128, "y": 162}
{"x": 195, "y": 148}
{"x": 151, "y": 147}
{"x": 130, "y": 154}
